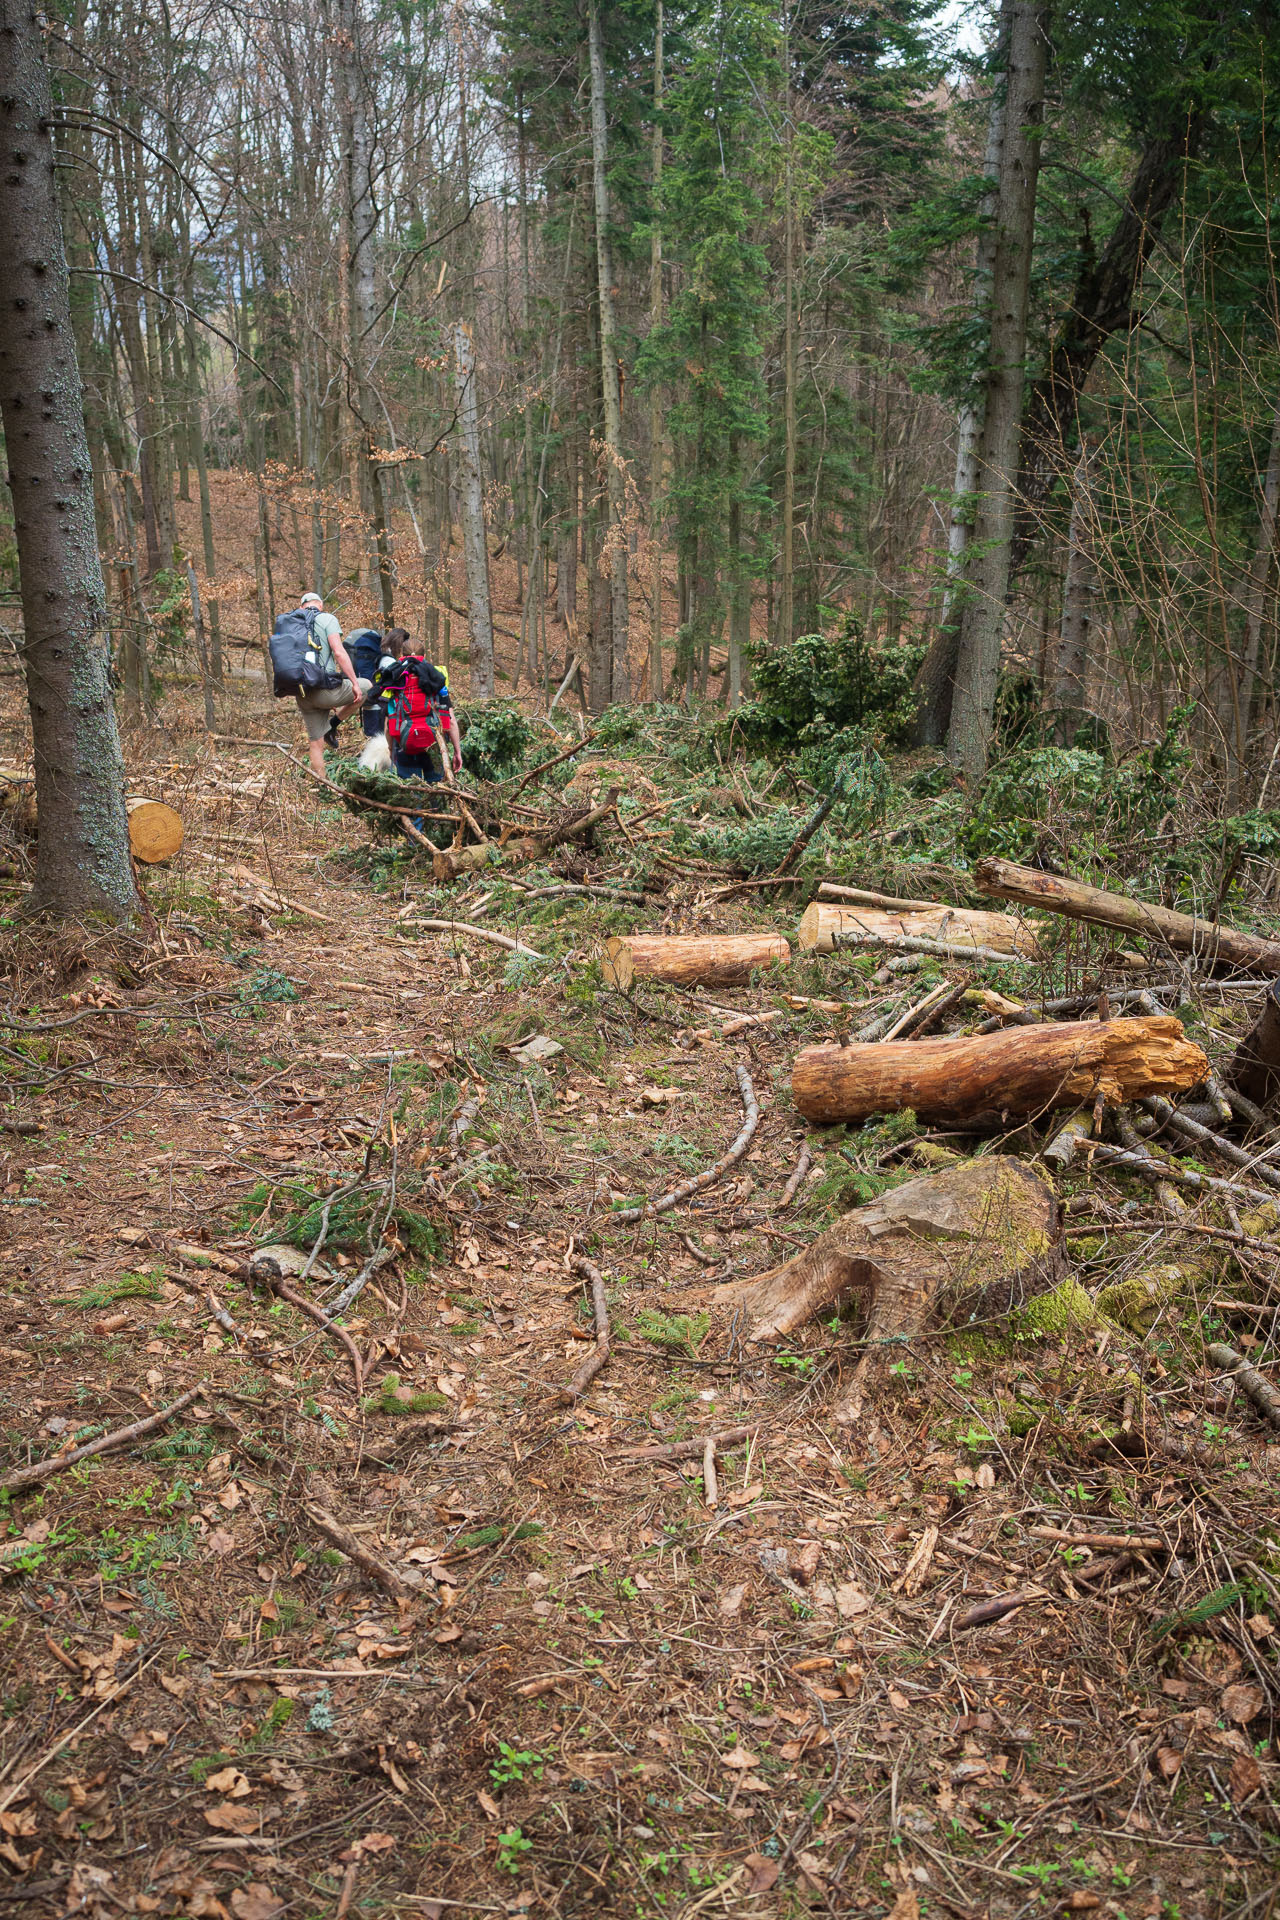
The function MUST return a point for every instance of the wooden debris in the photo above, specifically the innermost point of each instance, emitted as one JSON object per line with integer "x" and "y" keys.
{"x": 490, "y": 934}
{"x": 267, "y": 1272}
{"x": 599, "y": 1355}
{"x": 985, "y": 1080}
{"x": 1171, "y": 1116}
{"x": 796, "y": 1177}
{"x": 1184, "y": 932}
{"x": 692, "y": 1449}
{"x": 105, "y": 1443}
{"x": 974, "y": 1239}
{"x": 957, "y": 927}
{"x": 155, "y": 831}
{"x": 1104, "y": 1542}
{"x": 710, "y": 1484}
{"x": 708, "y": 960}
{"x": 1260, "y": 1390}
{"x": 342, "y": 1537}
{"x": 751, "y": 1120}
{"x": 865, "y": 897}
{"x": 988, "y": 1611}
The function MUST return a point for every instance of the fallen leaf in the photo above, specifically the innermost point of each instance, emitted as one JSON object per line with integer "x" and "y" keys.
{"x": 1082, "y": 1900}
{"x": 255, "y": 1902}
{"x": 753, "y": 1783}
{"x": 229, "y": 1818}
{"x": 230, "y": 1782}
{"x": 372, "y": 1843}
{"x": 1169, "y": 1761}
{"x": 743, "y": 1496}
{"x": 739, "y": 1759}
{"x": 851, "y": 1601}
{"x": 20, "y": 1825}
{"x": 1259, "y": 1626}
{"x": 764, "y": 1872}
{"x": 898, "y": 1700}
{"x": 178, "y": 1688}
{"x": 21, "y": 1861}
{"x": 730, "y": 1602}
{"x": 804, "y": 1562}
{"x": 230, "y": 1497}
{"x": 220, "y": 1541}
{"x": 906, "y": 1906}
{"x": 488, "y": 1805}
{"x": 1245, "y": 1776}
{"x": 1242, "y": 1702}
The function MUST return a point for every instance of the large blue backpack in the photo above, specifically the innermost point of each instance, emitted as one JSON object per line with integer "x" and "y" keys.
{"x": 296, "y": 654}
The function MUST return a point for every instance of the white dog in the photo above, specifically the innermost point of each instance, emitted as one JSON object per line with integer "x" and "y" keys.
{"x": 376, "y": 757}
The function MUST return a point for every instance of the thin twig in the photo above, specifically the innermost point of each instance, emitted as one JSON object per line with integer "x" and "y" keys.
{"x": 751, "y": 1121}
{"x": 598, "y": 1357}
{"x": 44, "y": 1469}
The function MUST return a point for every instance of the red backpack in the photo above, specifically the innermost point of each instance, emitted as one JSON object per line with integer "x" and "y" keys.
{"x": 413, "y": 719}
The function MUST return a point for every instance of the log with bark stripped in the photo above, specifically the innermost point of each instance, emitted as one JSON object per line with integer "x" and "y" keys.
{"x": 825, "y": 920}
{"x": 1184, "y": 932}
{"x": 705, "y": 960}
{"x": 989, "y": 1079}
{"x": 974, "y": 1240}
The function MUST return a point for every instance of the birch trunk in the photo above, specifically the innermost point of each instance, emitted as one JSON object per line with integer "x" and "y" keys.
{"x": 474, "y": 546}
{"x": 936, "y": 684}
{"x": 610, "y": 378}
{"x": 82, "y": 862}
{"x": 983, "y": 615}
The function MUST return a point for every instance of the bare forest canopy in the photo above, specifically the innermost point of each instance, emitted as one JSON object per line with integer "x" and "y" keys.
{"x": 780, "y": 316}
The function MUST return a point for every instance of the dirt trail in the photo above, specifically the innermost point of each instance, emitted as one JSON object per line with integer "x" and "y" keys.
{"x": 595, "y": 1693}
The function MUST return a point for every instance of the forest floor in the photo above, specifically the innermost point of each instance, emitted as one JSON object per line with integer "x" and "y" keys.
{"x": 552, "y": 1678}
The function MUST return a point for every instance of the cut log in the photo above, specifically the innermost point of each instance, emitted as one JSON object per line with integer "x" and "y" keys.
{"x": 705, "y": 960}
{"x": 155, "y": 831}
{"x": 824, "y": 921}
{"x": 448, "y": 864}
{"x": 1255, "y": 1065}
{"x": 974, "y": 1240}
{"x": 1057, "y": 893}
{"x": 987, "y": 1080}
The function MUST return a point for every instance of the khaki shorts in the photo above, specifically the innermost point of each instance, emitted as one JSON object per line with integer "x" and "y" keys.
{"x": 317, "y": 708}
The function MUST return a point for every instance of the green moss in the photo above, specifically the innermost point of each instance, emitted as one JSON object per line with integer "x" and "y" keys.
{"x": 1066, "y": 1307}
{"x": 393, "y": 1397}
{"x": 1136, "y": 1302}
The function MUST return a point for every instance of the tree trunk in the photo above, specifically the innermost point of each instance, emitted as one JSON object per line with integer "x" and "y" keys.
{"x": 983, "y": 614}
{"x": 610, "y": 376}
{"x": 657, "y": 435}
{"x": 970, "y": 1243}
{"x": 475, "y": 547}
{"x": 987, "y": 1080}
{"x": 82, "y": 863}
{"x": 784, "y": 633}
{"x": 1257, "y": 598}
{"x": 935, "y": 683}
{"x": 708, "y": 960}
{"x": 1255, "y": 1065}
{"x": 1058, "y": 893}
{"x": 1071, "y": 666}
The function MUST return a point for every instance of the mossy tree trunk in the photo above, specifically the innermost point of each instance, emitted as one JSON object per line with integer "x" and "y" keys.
{"x": 83, "y": 865}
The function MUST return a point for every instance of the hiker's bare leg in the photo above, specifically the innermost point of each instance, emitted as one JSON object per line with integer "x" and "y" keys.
{"x": 315, "y": 754}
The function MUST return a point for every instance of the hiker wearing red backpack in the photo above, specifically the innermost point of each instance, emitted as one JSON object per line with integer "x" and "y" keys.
{"x": 419, "y": 713}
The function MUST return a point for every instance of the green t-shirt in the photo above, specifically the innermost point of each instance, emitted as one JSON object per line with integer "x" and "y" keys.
{"x": 326, "y": 629}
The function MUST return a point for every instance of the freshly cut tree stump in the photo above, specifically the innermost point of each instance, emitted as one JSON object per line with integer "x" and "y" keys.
{"x": 974, "y": 1240}
{"x": 986, "y": 1080}
{"x": 955, "y": 926}
{"x": 155, "y": 831}
{"x": 704, "y": 960}
{"x": 1058, "y": 893}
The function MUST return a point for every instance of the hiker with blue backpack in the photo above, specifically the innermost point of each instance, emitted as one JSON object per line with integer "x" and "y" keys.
{"x": 309, "y": 661}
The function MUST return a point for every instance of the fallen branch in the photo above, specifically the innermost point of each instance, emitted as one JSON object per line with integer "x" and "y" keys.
{"x": 546, "y": 766}
{"x": 463, "y": 1121}
{"x": 751, "y": 1121}
{"x": 988, "y": 1610}
{"x": 264, "y": 1270}
{"x": 797, "y": 847}
{"x": 1263, "y": 1395}
{"x": 105, "y": 1443}
{"x": 912, "y": 943}
{"x": 1104, "y": 1542}
{"x": 597, "y": 1359}
{"x": 342, "y": 1537}
{"x": 481, "y": 933}
{"x": 691, "y": 1449}
{"x": 710, "y": 1484}
{"x": 1058, "y": 893}
{"x": 798, "y": 1173}
{"x": 1169, "y": 1116}
{"x": 1125, "y": 1161}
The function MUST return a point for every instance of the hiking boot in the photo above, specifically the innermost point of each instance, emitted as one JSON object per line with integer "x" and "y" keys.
{"x": 331, "y": 734}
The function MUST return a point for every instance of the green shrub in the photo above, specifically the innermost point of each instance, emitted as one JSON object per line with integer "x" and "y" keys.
{"x": 495, "y": 740}
{"x": 829, "y": 683}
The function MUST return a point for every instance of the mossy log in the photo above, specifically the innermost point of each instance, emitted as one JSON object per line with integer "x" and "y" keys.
{"x": 705, "y": 960}
{"x": 987, "y": 1080}
{"x": 823, "y": 921}
{"x": 976, "y": 1239}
